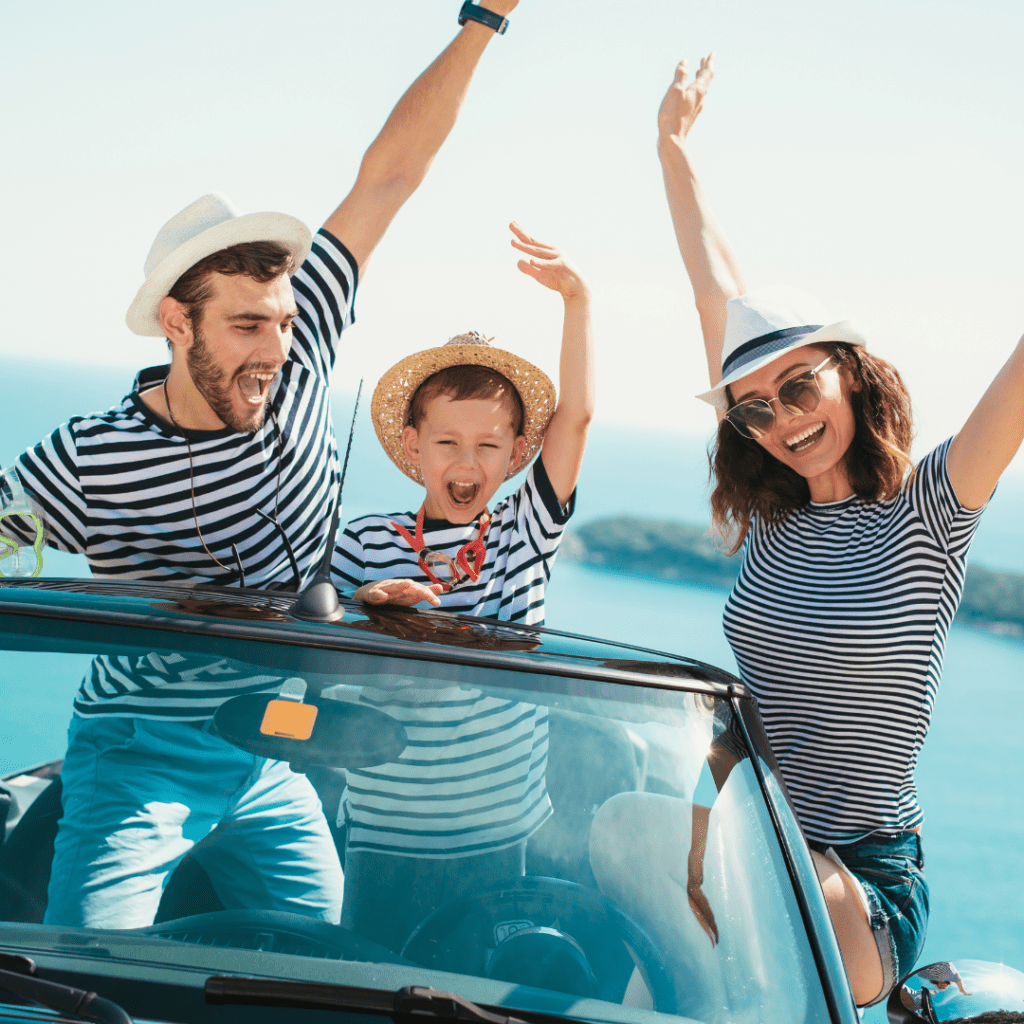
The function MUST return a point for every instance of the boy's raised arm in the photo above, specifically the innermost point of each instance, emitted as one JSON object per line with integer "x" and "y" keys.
{"x": 566, "y": 437}
{"x": 400, "y": 156}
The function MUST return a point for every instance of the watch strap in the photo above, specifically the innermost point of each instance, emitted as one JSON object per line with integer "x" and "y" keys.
{"x": 474, "y": 12}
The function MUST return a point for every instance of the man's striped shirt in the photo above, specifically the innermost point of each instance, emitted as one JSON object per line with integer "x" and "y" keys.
{"x": 522, "y": 541}
{"x": 118, "y": 487}
{"x": 838, "y": 621}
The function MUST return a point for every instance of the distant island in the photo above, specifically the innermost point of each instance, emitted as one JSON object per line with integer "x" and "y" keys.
{"x": 681, "y": 553}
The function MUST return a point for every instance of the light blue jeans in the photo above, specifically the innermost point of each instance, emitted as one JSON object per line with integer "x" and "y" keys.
{"x": 140, "y": 794}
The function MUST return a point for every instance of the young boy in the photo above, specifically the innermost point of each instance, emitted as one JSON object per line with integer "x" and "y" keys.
{"x": 461, "y": 419}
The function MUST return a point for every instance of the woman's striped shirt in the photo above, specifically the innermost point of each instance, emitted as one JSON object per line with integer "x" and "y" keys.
{"x": 522, "y": 541}
{"x": 838, "y": 621}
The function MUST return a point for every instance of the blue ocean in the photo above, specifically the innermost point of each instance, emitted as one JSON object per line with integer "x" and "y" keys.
{"x": 971, "y": 772}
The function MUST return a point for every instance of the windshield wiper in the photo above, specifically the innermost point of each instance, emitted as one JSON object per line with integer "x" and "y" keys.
{"x": 18, "y": 976}
{"x": 405, "y": 1005}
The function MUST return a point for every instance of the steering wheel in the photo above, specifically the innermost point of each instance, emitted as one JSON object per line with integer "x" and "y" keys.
{"x": 507, "y": 932}
{"x": 273, "y": 931}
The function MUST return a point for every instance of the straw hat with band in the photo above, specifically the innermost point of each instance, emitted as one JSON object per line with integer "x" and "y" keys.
{"x": 393, "y": 396}
{"x": 206, "y": 226}
{"x": 768, "y": 322}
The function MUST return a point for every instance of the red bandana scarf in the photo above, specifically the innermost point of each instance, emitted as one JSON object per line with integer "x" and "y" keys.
{"x": 466, "y": 564}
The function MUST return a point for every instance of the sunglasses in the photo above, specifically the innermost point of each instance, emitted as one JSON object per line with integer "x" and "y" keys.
{"x": 755, "y": 419}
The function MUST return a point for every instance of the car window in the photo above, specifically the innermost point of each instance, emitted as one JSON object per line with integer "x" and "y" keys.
{"x": 526, "y": 839}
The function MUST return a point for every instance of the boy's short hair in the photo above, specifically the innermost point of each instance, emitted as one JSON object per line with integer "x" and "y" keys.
{"x": 462, "y": 383}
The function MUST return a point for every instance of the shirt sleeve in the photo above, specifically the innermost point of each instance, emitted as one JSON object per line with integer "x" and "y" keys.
{"x": 931, "y": 494}
{"x": 540, "y": 518}
{"x": 325, "y": 291}
{"x": 49, "y": 475}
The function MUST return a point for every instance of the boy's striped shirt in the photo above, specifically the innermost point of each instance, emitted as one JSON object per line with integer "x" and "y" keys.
{"x": 522, "y": 541}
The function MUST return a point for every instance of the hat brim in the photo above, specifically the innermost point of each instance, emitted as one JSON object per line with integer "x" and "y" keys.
{"x": 143, "y": 316}
{"x": 850, "y": 332}
{"x": 389, "y": 408}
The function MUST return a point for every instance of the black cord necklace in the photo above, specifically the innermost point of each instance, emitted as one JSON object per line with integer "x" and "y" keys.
{"x": 277, "y": 498}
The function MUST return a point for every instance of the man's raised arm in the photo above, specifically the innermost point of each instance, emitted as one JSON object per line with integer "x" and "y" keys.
{"x": 398, "y": 159}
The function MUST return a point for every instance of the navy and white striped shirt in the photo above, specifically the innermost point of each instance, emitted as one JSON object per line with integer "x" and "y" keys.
{"x": 838, "y": 621}
{"x": 115, "y": 486}
{"x": 471, "y": 779}
{"x": 522, "y": 541}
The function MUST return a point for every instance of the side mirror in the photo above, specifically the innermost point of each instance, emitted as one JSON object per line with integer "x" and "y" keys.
{"x": 958, "y": 992}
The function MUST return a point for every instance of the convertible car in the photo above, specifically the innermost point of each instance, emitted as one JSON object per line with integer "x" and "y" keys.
{"x": 532, "y": 826}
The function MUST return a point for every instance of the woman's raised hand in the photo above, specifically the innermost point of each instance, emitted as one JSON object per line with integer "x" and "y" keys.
{"x": 682, "y": 102}
{"x": 547, "y": 265}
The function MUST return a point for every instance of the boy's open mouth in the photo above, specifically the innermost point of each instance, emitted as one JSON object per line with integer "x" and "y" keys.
{"x": 254, "y": 386}
{"x": 462, "y": 494}
{"x": 806, "y": 438}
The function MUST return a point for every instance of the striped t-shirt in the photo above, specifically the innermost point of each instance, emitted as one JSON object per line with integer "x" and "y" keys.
{"x": 838, "y": 621}
{"x": 115, "y": 486}
{"x": 522, "y": 541}
{"x": 472, "y": 778}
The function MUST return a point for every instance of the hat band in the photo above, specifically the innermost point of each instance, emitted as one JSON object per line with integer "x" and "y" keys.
{"x": 765, "y": 345}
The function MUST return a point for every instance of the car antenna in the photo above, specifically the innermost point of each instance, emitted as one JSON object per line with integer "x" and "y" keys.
{"x": 319, "y": 601}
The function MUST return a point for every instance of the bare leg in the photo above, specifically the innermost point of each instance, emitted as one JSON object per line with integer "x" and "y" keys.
{"x": 853, "y": 930}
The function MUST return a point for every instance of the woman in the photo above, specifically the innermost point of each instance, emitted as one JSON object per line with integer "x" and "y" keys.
{"x": 853, "y": 564}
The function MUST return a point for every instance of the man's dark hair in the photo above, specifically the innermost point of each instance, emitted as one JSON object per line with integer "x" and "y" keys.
{"x": 262, "y": 261}
{"x": 468, "y": 381}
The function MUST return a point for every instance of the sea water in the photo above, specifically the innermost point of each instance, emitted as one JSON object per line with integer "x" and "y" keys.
{"x": 971, "y": 772}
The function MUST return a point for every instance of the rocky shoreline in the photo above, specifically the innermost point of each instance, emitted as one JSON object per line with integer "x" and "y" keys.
{"x": 683, "y": 553}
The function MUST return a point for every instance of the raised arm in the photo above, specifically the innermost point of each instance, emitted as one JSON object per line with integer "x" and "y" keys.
{"x": 566, "y": 438}
{"x": 991, "y": 436}
{"x": 714, "y": 273}
{"x": 400, "y": 156}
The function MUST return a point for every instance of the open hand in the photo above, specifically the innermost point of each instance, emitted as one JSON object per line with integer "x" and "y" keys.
{"x": 548, "y": 265}
{"x": 682, "y": 102}
{"x": 401, "y": 592}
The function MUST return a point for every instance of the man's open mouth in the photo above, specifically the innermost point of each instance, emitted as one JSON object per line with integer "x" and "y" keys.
{"x": 255, "y": 386}
{"x": 462, "y": 494}
{"x": 806, "y": 438}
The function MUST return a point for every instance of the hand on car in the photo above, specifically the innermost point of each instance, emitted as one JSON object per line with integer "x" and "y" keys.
{"x": 548, "y": 266}
{"x": 401, "y": 592}
{"x": 682, "y": 102}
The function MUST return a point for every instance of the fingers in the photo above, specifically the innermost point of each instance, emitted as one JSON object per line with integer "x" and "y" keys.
{"x": 533, "y": 246}
{"x": 705, "y": 74}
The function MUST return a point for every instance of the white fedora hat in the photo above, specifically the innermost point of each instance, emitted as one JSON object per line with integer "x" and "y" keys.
{"x": 208, "y": 225}
{"x": 765, "y": 323}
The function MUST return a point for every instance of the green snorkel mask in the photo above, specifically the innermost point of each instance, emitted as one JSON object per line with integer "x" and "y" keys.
{"x": 18, "y": 518}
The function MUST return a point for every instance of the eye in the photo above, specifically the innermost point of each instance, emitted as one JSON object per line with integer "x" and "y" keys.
{"x": 248, "y": 328}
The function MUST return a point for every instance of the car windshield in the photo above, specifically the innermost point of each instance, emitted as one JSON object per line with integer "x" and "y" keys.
{"x": 531, "y": 839}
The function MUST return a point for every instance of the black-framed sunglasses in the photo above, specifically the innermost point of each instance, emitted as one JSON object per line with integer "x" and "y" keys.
{"x": 797, "y": 394}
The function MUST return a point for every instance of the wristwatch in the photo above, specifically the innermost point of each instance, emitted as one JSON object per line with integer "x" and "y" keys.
{"x": 474, "y": 12}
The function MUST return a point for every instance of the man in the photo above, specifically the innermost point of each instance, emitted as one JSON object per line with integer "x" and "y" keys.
{"x": 220, "y": 468}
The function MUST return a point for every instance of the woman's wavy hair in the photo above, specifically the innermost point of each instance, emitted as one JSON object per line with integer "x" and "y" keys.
{"x": 748, "y": 480}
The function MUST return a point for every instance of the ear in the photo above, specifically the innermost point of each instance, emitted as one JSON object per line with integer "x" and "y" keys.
{"x": 411, "y": 445}
{"x": 175, "y": 323}
{"x": 517, "y": 453}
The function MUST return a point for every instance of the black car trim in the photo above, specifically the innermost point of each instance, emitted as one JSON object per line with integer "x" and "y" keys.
{"x": 810, "y": 927}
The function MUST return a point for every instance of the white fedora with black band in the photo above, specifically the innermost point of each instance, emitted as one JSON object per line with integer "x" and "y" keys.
{"x": 767, "y": 322}
{"x": 204, "y": 227}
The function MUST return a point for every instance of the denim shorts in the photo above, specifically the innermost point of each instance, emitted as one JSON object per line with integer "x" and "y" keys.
{"x": 891, "y": 872}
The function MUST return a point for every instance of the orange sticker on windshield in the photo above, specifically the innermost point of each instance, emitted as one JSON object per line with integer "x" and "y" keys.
{"x": 288, "y": 719}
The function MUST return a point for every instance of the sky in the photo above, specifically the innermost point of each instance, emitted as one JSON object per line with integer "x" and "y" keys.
{"x": 870, "y": 153}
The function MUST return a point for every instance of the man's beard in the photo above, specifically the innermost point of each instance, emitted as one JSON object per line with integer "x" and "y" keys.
{"x": 212, "y": 383}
